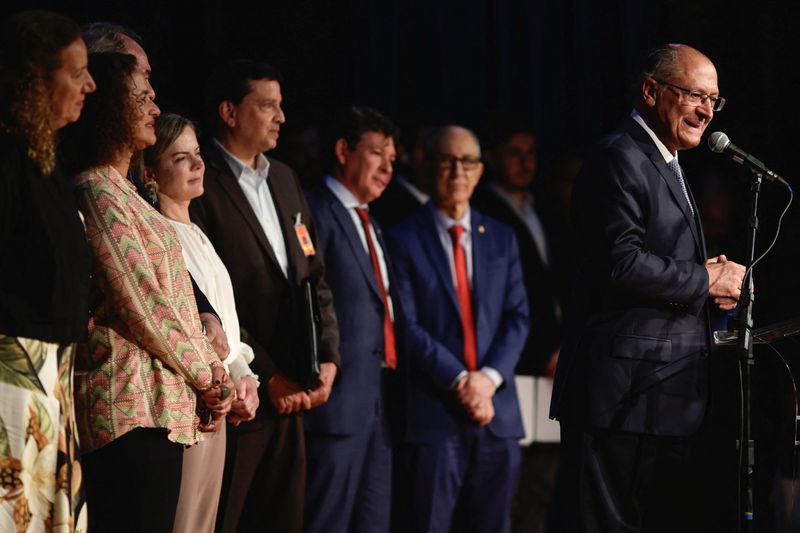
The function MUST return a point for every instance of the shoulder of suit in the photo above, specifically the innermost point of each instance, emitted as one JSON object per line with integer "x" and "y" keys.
{"x": 408, "y": 226}
{"x": 280, "y": 169}
{"x": 319, "y": 196}
{"x": 487, "y": 225}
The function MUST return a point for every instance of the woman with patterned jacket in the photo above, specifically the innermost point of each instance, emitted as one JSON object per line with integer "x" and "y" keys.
{"x": 148, "y": 368}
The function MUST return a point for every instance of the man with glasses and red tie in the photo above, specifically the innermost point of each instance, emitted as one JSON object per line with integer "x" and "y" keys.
{"x": 348, "y": 442}
{"x": 631, "y": 386}
{"x": 459, "y": 282}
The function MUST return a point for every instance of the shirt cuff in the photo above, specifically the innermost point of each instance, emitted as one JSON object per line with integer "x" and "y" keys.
{"x": 458, "y": 378}
{"x": 494, "y": 375}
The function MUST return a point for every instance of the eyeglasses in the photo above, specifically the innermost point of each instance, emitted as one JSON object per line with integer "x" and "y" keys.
{"x": 447, "y": 161}
{"x": 696, "y": 97}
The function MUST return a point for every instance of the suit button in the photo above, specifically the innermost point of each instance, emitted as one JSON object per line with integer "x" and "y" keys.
{"x": 378, "y": 352}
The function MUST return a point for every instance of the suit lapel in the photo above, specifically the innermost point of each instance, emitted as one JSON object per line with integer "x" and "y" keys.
{"x": 698, "y": 225}
{"x": 429, "y": 235}
{"x": 231, "y": 186}
{"x": 647, "y": 145}
{"x": 677, "y": 194}
{"x": 288, "y": 209}
{"x": 480, "y": 267}
{"x": 345, "y": 222}
{"x": 382, "y": 243}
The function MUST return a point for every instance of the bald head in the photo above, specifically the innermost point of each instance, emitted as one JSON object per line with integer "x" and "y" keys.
{"x": 454, "y": 153}
{"x": 667, "y": 98}
{"x": 449, "y": 134}
{"x": 111, "y": 37}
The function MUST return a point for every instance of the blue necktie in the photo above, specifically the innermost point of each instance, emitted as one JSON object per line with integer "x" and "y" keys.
{"x": 675, "y": 167}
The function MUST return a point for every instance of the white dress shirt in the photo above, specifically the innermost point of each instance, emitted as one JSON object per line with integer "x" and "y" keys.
{"x": 254, "y": 185}
{"x": 668, "y": 157}
{"x": 350, "y": 203}
{"x": 443, "y": 224}
{"x": 525, "y": 211}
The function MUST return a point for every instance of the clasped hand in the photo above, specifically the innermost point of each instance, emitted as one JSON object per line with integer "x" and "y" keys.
{"x": 246, "y": 403}
{"x": 289, "y": 397}
{"x": 217, "y": 400}
{"x": 475, "y": 391}
{"x": 725, "y": 281}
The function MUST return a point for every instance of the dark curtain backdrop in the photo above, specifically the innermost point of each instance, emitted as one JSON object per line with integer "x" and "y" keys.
{"x": 560, "y": 65}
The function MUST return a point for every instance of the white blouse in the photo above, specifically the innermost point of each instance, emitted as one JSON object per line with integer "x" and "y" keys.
{"x": 213, "y": 279}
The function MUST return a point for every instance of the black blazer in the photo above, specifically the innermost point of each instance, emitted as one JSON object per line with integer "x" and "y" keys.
{"x": 265, "y": 298}
{"x": 545, "y": 332}
{"x": 636, "y": 356}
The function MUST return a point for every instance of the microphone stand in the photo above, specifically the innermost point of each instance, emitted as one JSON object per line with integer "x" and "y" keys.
{"x": 746, "y": 361}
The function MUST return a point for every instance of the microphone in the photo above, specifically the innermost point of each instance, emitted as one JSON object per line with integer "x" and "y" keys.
{"x": 720, "y": 143}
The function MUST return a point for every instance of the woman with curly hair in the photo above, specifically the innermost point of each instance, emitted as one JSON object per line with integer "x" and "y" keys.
{"x": 148, "y": 364}
{"x": 44, "y": 274}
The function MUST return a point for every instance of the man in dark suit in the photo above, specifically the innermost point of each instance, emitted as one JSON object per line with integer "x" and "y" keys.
{"x": 257, "y": 217}
{"x": 348, "y": 439}
{"x": 459, "y": 282}
{"x": 632, "y": 381}
{"x": 507, "y": 197}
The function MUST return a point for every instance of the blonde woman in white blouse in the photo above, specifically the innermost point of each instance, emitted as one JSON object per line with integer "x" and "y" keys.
{"x": 174, "y": 167}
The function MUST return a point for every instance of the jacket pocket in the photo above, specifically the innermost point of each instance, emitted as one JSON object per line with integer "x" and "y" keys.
{"x": 642, "y": 348}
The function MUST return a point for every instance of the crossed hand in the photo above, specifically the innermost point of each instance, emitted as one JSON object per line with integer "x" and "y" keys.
{"x": 475, "y": 391}
{"x": 217, "y": 400}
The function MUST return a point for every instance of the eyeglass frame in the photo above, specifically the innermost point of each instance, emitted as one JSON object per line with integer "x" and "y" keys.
{"x": 717, "y": 102}
{"x": 468, "y": 162}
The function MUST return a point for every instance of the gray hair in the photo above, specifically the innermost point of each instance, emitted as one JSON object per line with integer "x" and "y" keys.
{"x": 662, "y": 62}
{"x": 430, "y": 145}
{"x": 107, "y": 37}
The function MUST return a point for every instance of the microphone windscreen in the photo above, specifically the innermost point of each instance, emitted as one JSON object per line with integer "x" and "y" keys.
{"x": 718, "y": 141}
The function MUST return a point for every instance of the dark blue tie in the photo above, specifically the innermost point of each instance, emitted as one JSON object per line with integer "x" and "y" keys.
{"x": 675, "y": 167}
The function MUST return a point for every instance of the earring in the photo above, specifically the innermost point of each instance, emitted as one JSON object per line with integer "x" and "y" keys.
{"x": 152, "y": 190}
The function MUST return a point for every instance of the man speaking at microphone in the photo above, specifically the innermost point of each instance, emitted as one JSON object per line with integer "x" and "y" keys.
{"x": 631, "y": 386}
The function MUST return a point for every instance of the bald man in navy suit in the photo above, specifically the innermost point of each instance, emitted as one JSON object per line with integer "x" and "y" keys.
{"x": 631, "y": 386}
{"x": 459, "y": 281}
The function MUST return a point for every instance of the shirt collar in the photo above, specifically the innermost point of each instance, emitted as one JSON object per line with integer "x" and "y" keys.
{"x": 512, "y": 200}
{"x": 444, "y": 222}
{"x": 242, "y": 170}
{"x": 668, "y": 157}
{"x": 411, "y": 188}
{"x": 342, "y": 193}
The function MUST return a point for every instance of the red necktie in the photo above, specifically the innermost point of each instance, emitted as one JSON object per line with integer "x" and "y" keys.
{"x": 389, "y": 350}
{"x": 464, "y": 298}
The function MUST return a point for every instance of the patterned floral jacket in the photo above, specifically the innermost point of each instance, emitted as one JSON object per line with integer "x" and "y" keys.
{"x": 146, "y": 355}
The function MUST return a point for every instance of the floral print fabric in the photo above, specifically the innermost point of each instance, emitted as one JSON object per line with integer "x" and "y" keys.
{"x": 40, "y": 475}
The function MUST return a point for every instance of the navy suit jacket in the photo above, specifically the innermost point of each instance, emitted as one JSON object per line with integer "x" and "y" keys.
{"x": 359, "y": 312}
{"x": 433, "y": 319}
{"x": 636, "y": 357}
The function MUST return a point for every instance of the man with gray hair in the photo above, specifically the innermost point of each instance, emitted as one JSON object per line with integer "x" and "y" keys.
{"x": 631, "y": 386}
{"x": 460, "y": 285}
